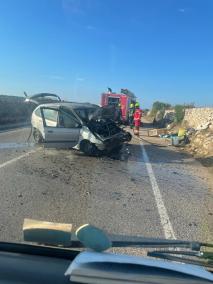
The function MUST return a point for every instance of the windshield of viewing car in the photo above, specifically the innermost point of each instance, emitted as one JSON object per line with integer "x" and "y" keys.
{"x": 106, "y": 116}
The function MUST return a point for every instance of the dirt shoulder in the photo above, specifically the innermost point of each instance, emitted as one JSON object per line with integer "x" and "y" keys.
{"x": 206, "y": 162}
{"x": 200, "y": 142}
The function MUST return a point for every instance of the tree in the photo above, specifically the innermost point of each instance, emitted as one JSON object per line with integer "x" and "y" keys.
{"x": 159, "y": 106}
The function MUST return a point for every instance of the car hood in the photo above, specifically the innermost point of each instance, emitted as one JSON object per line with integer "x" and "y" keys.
{"x": 42, "y": 98}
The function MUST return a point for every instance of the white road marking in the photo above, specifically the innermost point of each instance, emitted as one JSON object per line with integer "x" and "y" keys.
{"x": 5, "y": 164}
{"x": 164, "y": 218}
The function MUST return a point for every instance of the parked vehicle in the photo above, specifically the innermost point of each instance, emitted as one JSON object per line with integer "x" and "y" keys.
{"x": 82, "y": 126}
{"x": 124, "y": 99}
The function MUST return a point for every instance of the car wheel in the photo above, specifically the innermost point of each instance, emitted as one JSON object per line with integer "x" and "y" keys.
{"x": 37, "y": 136}
{"x": 117, "y": 149}
{"x": 88, "y": 148}
{"x": 128, "y": 137}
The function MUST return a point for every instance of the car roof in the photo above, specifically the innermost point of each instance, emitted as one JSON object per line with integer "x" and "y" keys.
{"x": 71, "y": 105}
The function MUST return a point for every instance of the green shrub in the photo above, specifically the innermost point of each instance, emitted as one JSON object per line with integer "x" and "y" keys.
{"x": 179, "y": 113}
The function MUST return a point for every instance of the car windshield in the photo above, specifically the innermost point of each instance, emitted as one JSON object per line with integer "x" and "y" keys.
{"x": 106, "y": 117}
{"x": 85, "y": 113}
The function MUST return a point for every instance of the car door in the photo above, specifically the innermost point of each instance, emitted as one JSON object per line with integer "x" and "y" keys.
{"x": 61, "y": 129}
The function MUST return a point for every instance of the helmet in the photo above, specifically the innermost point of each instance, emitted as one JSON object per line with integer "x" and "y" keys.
{"x": 131, "y": 105}
{"x": 137, "y": 104}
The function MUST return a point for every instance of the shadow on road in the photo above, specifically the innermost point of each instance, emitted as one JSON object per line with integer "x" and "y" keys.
{"x": 157, "y": 154}
{"x": 207, "y": 162}
{"x": 166, "y": 155}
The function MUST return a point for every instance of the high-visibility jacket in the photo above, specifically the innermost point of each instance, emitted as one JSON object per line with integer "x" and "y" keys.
{"x": 131, "y": 112}
{"x": 137, "y": 114}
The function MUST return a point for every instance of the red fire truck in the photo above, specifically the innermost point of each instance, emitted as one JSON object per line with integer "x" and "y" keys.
{"x": 124, "y": 98}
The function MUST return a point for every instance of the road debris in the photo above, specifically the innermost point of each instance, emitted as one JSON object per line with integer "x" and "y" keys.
{"x": 156, "y": 132}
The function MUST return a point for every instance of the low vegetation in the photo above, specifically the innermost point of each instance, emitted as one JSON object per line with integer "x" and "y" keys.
{"x": 13, "y": 110}
{"x": 159, "y": 107}
{"x": 158, "y": 110}
{"x": 179, "y": 113}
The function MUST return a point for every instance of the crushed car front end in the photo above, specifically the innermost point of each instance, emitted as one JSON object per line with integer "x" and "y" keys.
{"x": 108, "y": 135}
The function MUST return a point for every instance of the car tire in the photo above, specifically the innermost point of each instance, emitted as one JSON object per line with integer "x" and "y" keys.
{"x": 128, "y": 136}
{"x": 37, "y": 136}
{"x": 88, "y": 148}
{"x": 116, "y": 150}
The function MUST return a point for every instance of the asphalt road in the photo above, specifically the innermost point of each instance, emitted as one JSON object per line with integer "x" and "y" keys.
{"x": 170, "y": 193}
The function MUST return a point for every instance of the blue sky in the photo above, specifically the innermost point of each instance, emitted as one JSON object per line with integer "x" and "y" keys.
{"x": 159, "y": 49}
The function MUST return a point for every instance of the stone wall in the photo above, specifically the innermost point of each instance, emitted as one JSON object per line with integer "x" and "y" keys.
{"x": 198, "y": 117}
{"x": 201, "y": 142}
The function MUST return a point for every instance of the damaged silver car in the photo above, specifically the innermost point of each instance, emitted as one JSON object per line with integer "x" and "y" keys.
{"x": 83, "y": 126}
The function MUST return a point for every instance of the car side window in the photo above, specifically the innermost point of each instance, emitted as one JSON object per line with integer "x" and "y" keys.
{"x": 82, "y": 113}
{"x": 51, "y": 117}
{"x": 67, "y": 120}
{"x": 38, "y": 112}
